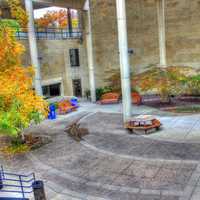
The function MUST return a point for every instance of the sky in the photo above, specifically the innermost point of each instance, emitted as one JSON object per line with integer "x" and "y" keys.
{"x": 40, "y": 12}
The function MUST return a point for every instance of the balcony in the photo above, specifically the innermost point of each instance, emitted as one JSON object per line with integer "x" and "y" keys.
{"x": 50, "y": 34}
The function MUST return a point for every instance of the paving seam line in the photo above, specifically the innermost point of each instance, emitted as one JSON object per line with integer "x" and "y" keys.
{"x": 92, "y": 147}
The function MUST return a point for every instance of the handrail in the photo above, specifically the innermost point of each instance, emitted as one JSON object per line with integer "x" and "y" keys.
{"x": 50, "y": 33}
{"x": 11, "y": 184}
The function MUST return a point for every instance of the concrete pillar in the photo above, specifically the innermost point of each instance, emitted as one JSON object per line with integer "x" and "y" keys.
{"x": 124, "y": 59}
{"x": 69, "y": 17}
{"x": 33, "y": 46}
{"x": 90, "y": 55}
{"x": 161, "y": 31}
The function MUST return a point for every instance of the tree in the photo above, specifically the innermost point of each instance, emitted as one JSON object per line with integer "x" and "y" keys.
{"x": 53, "y": 19}
{"x": 18, "y": 12}
{"x": 19, "y": 104}
{"x": 164, "y": 81}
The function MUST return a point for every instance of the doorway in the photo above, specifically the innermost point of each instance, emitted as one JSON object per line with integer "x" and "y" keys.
{"x": 77, "y": 88}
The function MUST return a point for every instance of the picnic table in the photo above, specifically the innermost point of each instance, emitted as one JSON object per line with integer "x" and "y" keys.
{"x": 143, "y": 123}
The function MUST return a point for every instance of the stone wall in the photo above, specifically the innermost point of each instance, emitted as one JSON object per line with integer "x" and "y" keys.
{"x": 182, "y": 40}
{"x": 182, "y": 34}
{"x": 142, "y": 36}
{"x": 55, "y": 63}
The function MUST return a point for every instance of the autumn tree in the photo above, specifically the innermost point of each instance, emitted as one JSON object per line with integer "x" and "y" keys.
{"x": 19, "y": 104}
{"x": 165, "y": 81}
{"x": 53, "y": 19}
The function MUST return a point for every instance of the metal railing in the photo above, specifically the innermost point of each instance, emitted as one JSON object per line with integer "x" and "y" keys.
{"x": 15, "y": 185}
{"x": 50, "y": 34}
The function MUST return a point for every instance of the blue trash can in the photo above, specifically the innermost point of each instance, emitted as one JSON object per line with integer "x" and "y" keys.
{"x": 74, "y": 102}
{"x": 38, "y": 190}
{"x": 52, "y": 112}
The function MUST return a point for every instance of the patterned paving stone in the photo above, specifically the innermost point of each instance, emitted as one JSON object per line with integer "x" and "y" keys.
{"x": 128, "y": 167}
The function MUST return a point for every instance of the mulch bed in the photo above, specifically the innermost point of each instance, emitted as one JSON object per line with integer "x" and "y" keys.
{"x": 35, "y": 142}
{"x": 8, "y": 147}
{"x": 175, "y": 102}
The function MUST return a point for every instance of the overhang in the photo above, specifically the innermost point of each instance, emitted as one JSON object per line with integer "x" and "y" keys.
{"x": 75, "y": 4}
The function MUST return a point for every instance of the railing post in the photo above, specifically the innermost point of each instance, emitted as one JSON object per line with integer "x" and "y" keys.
{"x": 61, "y": 33}
{"x": 69, "y": 21}
{"x": 21, "y": 184}
{"x": 1, "y": 178}
{"x": 38, "y": 190}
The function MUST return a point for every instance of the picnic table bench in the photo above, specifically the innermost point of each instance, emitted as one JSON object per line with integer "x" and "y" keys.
{"x": 66, "y": 107}
{"x": 143, "y": 123}
{"x": 110, "y": 98}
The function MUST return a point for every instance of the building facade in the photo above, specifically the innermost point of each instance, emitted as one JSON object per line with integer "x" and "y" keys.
{"x": 64, "y": 62}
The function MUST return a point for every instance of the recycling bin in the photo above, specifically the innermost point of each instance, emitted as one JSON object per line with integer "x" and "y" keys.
{"x": 52, "y": 112}
{"x": 74, "y": 102}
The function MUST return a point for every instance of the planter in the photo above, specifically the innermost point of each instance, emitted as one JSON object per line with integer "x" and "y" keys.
{"x": 136, "y": 98}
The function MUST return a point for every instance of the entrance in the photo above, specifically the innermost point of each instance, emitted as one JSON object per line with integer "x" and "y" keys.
{"x": 77, "y": 89}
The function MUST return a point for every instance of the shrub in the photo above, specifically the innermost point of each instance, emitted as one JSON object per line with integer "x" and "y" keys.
{"x": 193, "y": 86}
{"x": 166, "y": 82}
{"x": 114, "y": 81}
{"x": 99, "y": 92}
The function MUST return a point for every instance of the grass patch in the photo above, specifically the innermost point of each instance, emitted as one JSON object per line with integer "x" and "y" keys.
{"x": 15, "y": 146}
{"x": 11, "y": 149}
{"x": 187, "y": 109}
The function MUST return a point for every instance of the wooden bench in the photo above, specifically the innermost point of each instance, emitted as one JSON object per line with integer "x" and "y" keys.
{"x": 65, "y": 107}
{"x": 136, "y": 98}
{"x": 110, "y": 98}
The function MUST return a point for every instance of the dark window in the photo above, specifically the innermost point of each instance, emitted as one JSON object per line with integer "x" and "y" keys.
{"x": 77, "y": 87}
{"x": 74, "y": 57}
{"x": 51, "y": 90}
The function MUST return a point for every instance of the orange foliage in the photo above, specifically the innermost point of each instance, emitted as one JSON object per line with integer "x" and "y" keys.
{"x": 18, "y": 12}
{"x": 16, "y": 84}
{"x": 53, "y": 19}
{"x": 11, "y": 50}
{"x": 19, "y": 104}
{"x": 171, "y": 80}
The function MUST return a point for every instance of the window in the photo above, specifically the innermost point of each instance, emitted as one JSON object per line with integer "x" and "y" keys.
{"x": 51, "y": 90}
{"x": 74, "y": 57}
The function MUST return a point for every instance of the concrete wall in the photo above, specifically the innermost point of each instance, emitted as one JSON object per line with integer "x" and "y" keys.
{"x": 55, "y": 63}
{"x": 182, "y": 40}
{"x": 182, "y": 34}
{"x": 142, "y": 36}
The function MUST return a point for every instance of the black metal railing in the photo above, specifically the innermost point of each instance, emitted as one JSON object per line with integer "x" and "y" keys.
{"x": 50, "y": 34}
{"x": 15, "y": 185}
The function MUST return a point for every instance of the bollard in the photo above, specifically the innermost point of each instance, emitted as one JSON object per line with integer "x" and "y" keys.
{"x": 38, "y": 190}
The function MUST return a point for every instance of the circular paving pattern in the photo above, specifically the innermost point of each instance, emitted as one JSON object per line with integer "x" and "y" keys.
{"x": 110, "y": 163}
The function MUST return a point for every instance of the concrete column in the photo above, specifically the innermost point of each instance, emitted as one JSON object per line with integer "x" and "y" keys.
{"x": 124, "y": 59}
{"x": 69, "y": 17}
{"x": 161, "y": 31}
{"x": 33, "y": 46}
{"x": 90, "y": 55}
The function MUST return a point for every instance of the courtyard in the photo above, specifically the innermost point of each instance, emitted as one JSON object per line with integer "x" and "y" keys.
{"x": 111, "y": 163}
{"x": 100, "y": 68}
